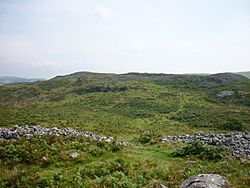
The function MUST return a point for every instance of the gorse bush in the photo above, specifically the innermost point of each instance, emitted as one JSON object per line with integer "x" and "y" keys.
{"x": 53, "y": 148}
{"x": 117, "y": 173}
{"x": 143, "y": 108}
{"x": 233, "y": 124}
{"x": 96, "y": 89}
{"x": 25, "y": 151}
{"x": 145, "y": 137}
{"x": 115, "y": 147}
{"x": 200, "y": 150}
{"x": 149, "y": 137}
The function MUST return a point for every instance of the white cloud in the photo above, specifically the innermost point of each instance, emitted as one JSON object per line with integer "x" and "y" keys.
{"x": 46, "y": 64}
{"x": 45, "y": 37}
{"x": 17, "y": 49}
{"x": 104, "y": 13}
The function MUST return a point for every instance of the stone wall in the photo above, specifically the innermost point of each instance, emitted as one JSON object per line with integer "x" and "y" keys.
{"x": 238, "y": 142}
{"x": 28, "y": 131}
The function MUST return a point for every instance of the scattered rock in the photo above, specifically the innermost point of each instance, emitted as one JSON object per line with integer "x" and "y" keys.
{"x": 45, "y": 159}
{"x": 73, "y": 155}
{"x": 205, "y": 181}
{"x": 162, "y": 186}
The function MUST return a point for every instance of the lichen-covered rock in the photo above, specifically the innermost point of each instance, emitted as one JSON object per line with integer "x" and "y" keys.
{"x": 205, "y": 181}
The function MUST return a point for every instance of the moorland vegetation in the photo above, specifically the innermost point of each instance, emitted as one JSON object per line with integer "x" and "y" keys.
{"x": 137, "y": 108}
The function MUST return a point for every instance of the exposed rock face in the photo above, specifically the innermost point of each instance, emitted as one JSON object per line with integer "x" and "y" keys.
{"x": 28, "y": 131}
{"x": 238, "y": 142}
{"x": 226, "y": 77}
{"x": 205, "y": 181}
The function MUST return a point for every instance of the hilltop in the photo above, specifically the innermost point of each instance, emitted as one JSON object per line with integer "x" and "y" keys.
{"x": 136, "y": 108}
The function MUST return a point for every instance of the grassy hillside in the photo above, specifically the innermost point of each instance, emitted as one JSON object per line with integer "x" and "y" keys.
{"x": 128, "y": 107}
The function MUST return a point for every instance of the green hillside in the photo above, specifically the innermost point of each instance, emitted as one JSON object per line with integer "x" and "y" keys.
{"x": 129, "y": 107}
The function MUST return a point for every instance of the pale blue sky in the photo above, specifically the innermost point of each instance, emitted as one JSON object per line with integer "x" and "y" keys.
{"x": 44, "y": 38}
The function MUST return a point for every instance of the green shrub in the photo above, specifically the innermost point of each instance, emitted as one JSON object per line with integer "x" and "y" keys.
{"x": 52, "y": 148}
{"x": 202, "y": 151}
{"x": 2, "y": 182}
{"x": 117, "y": 180}
{"x": 145, "y": 137}
{"x": 95, "y": 151}
{"x": 143, "y": 108}
{"x": 151, "y": 137}
{"x": 115, "y": 147}
{"x": 233, "y": 124}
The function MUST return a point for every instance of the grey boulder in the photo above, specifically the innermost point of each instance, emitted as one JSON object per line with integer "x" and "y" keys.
{"x": 205, "y": 181}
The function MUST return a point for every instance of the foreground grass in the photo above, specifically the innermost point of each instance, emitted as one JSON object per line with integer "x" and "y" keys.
{"x": 45, "y": 162}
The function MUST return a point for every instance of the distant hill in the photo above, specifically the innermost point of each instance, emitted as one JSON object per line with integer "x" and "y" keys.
{"x": 12, "y": 79}
{"x": 204, "y": 101}
{"x": 200, "y": 79}
{"x": 246, "y": 74}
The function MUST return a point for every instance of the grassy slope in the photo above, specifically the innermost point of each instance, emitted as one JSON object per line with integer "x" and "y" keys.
{"x": 126, "y": 107}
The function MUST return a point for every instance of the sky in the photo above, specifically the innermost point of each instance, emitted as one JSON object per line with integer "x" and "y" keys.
{"x": 45, "y": 38}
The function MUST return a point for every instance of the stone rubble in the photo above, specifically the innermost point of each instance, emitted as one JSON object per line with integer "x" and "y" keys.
{"x": 28, "y": 131}
{"x": 238, "y": 142}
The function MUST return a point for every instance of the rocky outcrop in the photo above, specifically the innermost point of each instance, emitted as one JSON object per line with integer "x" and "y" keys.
{"x": 205, "y": 181}
{"x": 29, "y": 131}
{"x": 223, "y": 94}
{"x": 238, "y": 142}
{"x": 226, "y": 77}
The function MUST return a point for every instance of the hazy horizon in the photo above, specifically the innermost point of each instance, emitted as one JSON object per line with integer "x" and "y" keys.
{"x": 43, "y": 39}
{"x": 46, "y": 78}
